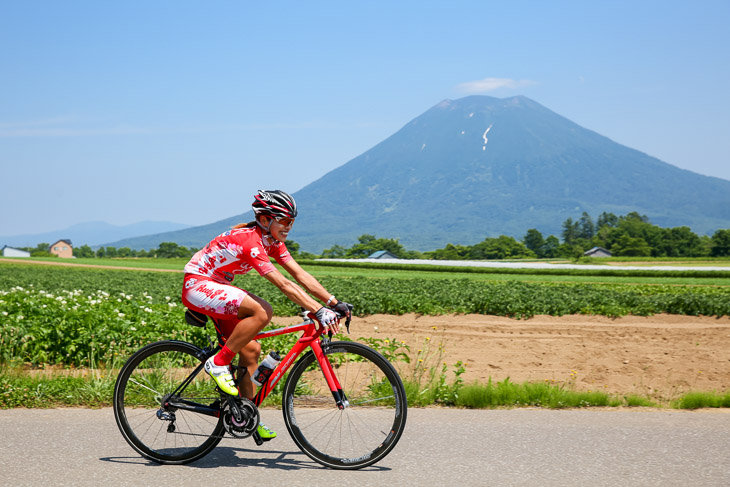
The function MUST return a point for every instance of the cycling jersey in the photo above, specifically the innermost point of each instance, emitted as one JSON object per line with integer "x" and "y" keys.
{"x": 208, "y": 275}
{"x": 237, "y": 252}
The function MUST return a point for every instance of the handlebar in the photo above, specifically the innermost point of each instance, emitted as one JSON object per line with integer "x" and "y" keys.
{"x": 311, "y": 316}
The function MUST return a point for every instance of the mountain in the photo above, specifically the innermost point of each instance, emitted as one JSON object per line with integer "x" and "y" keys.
{"x": 480, "y": 167}
{"x": 92, "y": 233}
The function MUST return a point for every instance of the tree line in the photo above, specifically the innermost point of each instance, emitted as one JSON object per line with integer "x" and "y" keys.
{"x": 166, "y": 250}
{"x": 631, "y": 235}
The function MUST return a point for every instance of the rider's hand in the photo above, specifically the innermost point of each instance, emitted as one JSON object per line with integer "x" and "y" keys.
{"x": 328, "y": 319}
{"x": 343, "y": 309}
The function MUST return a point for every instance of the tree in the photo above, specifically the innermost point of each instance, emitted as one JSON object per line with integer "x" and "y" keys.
{"x": 502, "y": 247}
{"x": 534, "y": 241}
{"x": 369, "y": 244}
{"x": 631, "y": 247}
{"x": 570, "y": 231}
{"x": 293, "y": 248}
{"x": 83, "y": 252}
{"x": 336, "y": 252}
{"x": 450, "y": 252}
{"x": 606, "y": 220}
{"x": 551, "y": 248}
{"x": 124, "y": 252}
{"x": 584, "y": 227}
{"x": 43, "y": 247}
{"x": 679, "y": 242}
{"x": 168, "y": 250}
{"x": 720, "y": 243}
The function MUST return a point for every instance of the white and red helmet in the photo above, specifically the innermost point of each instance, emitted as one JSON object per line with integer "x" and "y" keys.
{"x": 276, "y": 203}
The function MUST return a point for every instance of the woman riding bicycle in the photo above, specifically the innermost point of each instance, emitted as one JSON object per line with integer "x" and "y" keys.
{"x": 238, "y": 314}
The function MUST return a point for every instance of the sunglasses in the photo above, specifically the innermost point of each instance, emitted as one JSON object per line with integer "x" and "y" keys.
{"x": 287, "y": 222}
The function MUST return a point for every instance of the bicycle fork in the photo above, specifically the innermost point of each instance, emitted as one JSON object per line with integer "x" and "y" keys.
{"x": 330, "y": 376}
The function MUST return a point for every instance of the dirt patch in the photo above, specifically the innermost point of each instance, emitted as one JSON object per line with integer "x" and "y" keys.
{"x": 661, "y": 356}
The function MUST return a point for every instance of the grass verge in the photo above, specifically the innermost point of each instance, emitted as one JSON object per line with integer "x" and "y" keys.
{"x": 95, "y": 389}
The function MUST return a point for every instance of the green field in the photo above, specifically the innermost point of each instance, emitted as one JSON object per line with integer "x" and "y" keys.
{"x": 387, "y": 271}
{"x": 67, "y": 317}
{"x": 75, "y": 315}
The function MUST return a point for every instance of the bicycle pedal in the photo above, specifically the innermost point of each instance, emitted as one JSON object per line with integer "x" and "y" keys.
{"x": 257, "y": 438}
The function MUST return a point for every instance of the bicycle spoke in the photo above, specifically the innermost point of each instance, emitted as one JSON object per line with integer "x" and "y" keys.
{"x": 362, "y": 432}
{"x": 160, "y": 430}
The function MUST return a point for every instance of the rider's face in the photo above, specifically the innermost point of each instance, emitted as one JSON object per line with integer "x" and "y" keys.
{"x": 279, "y": 229}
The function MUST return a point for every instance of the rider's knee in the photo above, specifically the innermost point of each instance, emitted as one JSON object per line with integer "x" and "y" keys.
{"x": 253, "y": 348}
{"x": 265, "y": 313}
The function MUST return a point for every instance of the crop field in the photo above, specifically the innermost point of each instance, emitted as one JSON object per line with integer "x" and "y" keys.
{"x": 78, "y": 316}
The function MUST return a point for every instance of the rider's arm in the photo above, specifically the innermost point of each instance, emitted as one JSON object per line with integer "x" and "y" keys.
{"x": 292, "y": 291}
{"x": 297, "y": 294}
{"x": 308, "y": 282}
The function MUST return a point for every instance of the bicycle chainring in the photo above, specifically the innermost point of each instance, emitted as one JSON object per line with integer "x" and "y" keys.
{"x": 250, "y": 418}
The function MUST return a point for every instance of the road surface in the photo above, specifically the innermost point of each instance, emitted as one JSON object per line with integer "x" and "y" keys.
{"x": 440, "y": 447}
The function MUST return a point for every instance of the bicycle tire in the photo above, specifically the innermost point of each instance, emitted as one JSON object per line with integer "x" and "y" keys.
{"x": 358, "y": 435}
{"x": 149, "y": 375}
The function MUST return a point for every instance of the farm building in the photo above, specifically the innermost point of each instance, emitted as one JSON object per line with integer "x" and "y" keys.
{"x": 382, "y": 254}
{"x": 62, "y": 248}
{"x": 11, "y": 252}
{"x": 597, "y": 252}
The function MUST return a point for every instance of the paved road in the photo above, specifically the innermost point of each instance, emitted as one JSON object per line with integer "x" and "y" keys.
{"x": 524, "y": 447}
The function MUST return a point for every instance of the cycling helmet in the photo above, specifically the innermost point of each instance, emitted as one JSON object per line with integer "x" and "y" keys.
{"x": 277, "y": 204}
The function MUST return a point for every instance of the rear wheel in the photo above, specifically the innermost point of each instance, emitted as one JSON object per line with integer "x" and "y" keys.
{"x": 145, "y": 394}
{"x": 364, "y": 431}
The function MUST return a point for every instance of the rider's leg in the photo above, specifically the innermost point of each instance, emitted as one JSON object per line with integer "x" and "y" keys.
{"x": 249, "y": 359}
{"x": 254, "y": 314}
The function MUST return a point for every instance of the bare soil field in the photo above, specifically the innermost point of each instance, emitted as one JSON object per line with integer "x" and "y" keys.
{"x": 661, "y": 356}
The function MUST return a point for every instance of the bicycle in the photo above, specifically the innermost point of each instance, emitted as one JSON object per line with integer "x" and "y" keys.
{"x": 344, "y": 404}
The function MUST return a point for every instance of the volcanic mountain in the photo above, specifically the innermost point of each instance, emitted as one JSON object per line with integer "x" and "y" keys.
{"x": 481, "y": 167}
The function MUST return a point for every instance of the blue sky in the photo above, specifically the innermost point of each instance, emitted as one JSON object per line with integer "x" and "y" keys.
{"x": 180, "y": 111}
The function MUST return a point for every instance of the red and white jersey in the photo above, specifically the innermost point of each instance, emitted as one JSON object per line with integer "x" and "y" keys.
{"x": 237, "y": 252}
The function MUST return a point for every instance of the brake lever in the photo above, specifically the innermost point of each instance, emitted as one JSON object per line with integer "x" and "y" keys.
{"x": 349, "y": 318}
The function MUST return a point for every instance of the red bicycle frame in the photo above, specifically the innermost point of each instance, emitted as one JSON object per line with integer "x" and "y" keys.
{"x": 310, "y": 338}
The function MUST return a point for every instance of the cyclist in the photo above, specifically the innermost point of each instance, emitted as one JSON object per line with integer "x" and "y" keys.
{"x": 238, "y": 314}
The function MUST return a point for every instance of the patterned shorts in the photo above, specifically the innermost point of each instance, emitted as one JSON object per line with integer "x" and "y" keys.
{"x": 219, "y": 301}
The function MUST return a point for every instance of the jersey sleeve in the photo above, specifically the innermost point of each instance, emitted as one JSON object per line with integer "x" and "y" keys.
{"x": 252, "y": 252}
{"x": 282, "y": 255}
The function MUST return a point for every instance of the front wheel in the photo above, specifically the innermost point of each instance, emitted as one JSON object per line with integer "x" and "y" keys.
{"x": 365, "y": 430}
{"x": 155, "y": 400}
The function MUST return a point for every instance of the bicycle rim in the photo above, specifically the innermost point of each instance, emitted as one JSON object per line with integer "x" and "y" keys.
{"x": 360, "y": 434}
{"x": 166, "y": 434}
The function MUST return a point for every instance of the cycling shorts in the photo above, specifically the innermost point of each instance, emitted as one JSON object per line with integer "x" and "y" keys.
{"x": 217, "y": 300}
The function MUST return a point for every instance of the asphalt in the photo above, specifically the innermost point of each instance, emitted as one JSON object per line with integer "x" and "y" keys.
{"x": 440, "y": 447}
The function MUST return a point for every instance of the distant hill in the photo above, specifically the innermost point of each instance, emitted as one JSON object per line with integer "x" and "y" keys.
{"x": 92, "y": 233}
{"x": 480, "y": 167}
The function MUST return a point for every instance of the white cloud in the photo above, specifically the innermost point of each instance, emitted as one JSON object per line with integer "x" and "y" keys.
{"x": 491, "y": 84}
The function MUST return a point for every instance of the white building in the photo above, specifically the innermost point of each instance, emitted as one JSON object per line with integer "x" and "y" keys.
{"x": 11, "y": 252}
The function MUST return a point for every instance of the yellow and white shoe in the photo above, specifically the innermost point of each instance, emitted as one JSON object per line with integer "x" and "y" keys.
{"x": 265, "y": 432}
{"x": 222, "y": 376}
